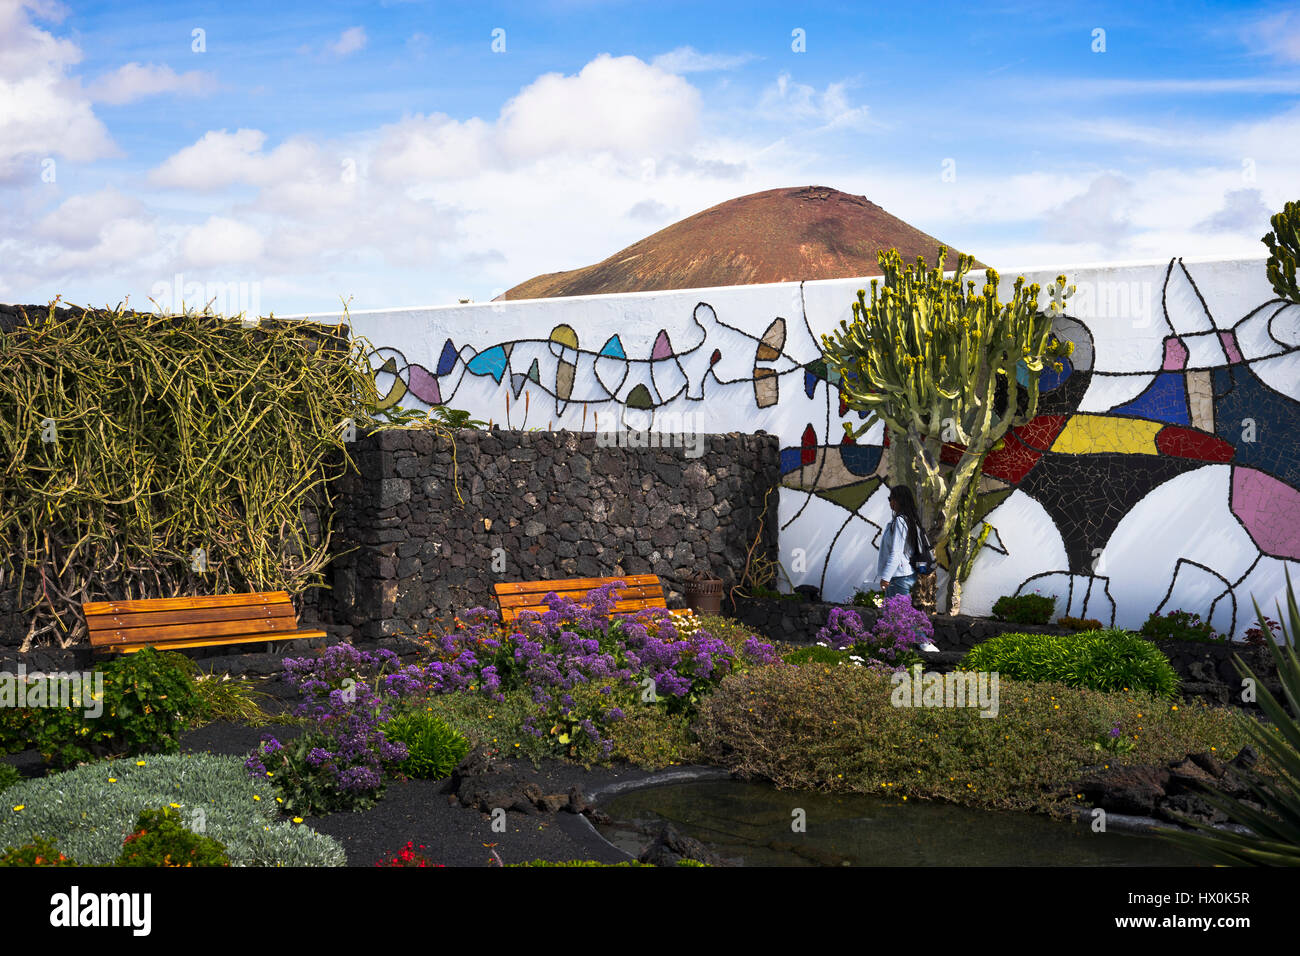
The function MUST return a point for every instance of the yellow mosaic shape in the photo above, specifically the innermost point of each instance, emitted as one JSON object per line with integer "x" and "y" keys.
{"x": 1095, "y": 434}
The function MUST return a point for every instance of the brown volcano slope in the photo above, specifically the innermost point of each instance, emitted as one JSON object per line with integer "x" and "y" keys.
{"x": 781, "y": 235}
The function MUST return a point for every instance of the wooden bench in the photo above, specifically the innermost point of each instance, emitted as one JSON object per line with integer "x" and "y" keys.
{"x": 641, "y": 591}
{"x": 182, "y": 622}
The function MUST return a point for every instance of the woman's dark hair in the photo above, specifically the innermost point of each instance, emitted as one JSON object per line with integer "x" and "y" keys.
{"x": 901, "y": 496}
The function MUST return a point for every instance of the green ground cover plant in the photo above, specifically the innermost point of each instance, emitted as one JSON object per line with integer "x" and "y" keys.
{"x": 1107, "y": 660}
{"x": 9, "y": 776}
{"x": 88, "y": 812}
{"x": 1080, "y": 623}
{"x": 1024, "y": 609}
{"x": 829, "y": 728}
{"x": 1178, "y": 626}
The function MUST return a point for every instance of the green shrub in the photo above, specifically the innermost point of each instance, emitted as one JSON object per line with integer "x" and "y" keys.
{"x": 836, "y": 729}
{"x": 1109, "y": 660}
{"x": 40, "y": 852}
{"x": 149, "y": 697}
{"x": 161, "y": 839}
{"x": 1178, "y": 626}
{"x": 815, "y": 654}
{"x": 434, "y": 748}
{"x": 9, "y": 776}
{"x": 1080, "y": 623}
{"x": 87, "y": 812}
{"x": 1025, "y": 609}
{"x": 729, "y": 630}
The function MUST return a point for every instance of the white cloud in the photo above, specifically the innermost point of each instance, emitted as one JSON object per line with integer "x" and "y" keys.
{"x": 1099, "y": 214}
{"x": 135, "y": 81}
{"x": 1243, "y": 211}
{"x": 1277, "y": 36}
{"x": 786, "y": 100}
{"x": 43, "y": 111}
{"x": 686, "y": 59}
{"x": 350, "y": 41}
{"x": 222, "y": 241}
{"x": 80, "y": 220}
{"x": 120, "y": 241}
{"x": 618, "y": 106}
{"x": 615, "y": 104}
{"x": 222, "y": 159}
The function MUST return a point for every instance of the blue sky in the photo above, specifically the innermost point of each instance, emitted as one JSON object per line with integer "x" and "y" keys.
{"x": 387, "y": 153}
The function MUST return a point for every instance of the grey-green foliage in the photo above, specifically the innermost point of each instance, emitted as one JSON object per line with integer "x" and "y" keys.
{"x": 86, "y": 816}
{"x": 9, "y": 776}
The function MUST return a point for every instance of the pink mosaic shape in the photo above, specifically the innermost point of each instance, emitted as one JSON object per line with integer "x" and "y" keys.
{"x": 663, "y": 348}
{"x": 1175, "y": 354}
{"x": 1229, "y": 341}
{"x": 1269, "y": 510}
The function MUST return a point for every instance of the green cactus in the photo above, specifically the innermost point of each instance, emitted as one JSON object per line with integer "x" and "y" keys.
{"x": 1284, "y": 251}
{"x": 927, "y": 356}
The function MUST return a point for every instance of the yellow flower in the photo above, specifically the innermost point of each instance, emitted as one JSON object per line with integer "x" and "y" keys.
{"x": 112, "y": 779}
{"x": 139, "y": 763}
{"x": 256, "y": 797}
{"x": 297, "y": 819}
{"x": 176, "y": 805}
{"x": 19, "y": 807}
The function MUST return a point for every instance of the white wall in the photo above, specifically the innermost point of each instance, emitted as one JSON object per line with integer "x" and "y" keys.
{"x": 1178, "y": 545}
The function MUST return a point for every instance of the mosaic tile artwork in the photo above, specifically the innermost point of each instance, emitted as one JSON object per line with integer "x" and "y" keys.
{"x": 1161, "y": 470}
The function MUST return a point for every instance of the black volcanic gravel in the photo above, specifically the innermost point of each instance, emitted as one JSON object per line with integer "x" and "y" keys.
{"x": 453, "y": 835}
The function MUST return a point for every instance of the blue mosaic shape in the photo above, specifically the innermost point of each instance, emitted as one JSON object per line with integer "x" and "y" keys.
{"x": 1165, "y": 400}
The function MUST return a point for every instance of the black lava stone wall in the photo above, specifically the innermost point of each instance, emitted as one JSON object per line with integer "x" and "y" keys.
{"x": 538, "y": 506}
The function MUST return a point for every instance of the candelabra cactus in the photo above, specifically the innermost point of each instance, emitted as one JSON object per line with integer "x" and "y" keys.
{"x": 1284, "y": 251}
{"x": 937, "y": 362}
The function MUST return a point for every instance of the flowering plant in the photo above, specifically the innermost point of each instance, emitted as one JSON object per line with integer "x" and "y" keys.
{"x": 892, "y": 643}
{"x": 582, "y": 666}
{"x": 1114, "y": 742}
{"x": 407, "y": 856}
{"x": 340, "y": 764}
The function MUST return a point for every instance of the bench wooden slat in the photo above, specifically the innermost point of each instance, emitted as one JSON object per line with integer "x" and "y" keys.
{"x": 641, "y": 591}
{"x": 196, "y": 621}
{"x": 574, "y": 584}
{"x": 628, "y": 594}
{"x": 147, "y": 634}
{"x": 252, "y": 612}
{"x": 171, "y": 604}
{"x": 219, "y": 642}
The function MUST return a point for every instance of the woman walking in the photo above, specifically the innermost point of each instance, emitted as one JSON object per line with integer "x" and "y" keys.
{"x": 904, "y": 549}
{"x": 902, "y": 542}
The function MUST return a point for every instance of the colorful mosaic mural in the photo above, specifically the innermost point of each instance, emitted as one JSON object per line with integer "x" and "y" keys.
{"x": 1162, "y": 470}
